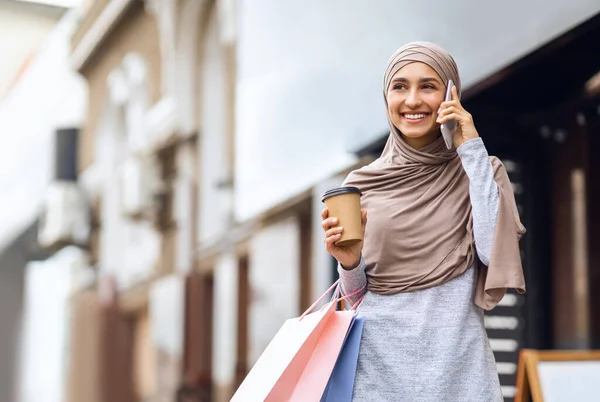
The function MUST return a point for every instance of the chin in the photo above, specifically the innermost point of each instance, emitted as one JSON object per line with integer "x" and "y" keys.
{"x": 412, "y": 133}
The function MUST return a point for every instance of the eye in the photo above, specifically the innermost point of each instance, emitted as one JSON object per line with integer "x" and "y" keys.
{"x": 399, "y": 86}
{"x": 428, "y": 86}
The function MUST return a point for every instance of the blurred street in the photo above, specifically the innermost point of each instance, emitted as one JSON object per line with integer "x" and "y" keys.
{"x": 164, "y": 162}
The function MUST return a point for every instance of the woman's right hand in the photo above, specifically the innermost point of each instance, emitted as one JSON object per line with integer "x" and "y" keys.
{"x": 348, "y": 257}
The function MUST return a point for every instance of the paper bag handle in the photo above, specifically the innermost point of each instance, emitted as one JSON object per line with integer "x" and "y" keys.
{"x": 334, "y": 300}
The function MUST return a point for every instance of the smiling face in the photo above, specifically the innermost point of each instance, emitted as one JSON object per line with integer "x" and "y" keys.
{"x": 414, "y": 96}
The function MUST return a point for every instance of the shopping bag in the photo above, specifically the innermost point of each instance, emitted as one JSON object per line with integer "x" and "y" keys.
{"x": 341, "y": 381}
{"x": 313, "y": 379}
{"x": 298, "y": 361}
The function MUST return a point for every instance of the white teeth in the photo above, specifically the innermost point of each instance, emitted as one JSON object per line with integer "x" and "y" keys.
{"x": 414, "y": 116}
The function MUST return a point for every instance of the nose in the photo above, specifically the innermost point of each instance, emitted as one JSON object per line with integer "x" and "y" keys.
{"x": 413, "y": 100}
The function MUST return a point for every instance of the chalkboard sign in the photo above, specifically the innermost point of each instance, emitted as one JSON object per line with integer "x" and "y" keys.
{"x": 557, "y": 376}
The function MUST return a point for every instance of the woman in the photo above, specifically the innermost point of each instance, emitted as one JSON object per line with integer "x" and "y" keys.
{"x": 440, "y": 244}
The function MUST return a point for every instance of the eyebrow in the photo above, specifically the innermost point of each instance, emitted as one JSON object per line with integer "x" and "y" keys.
{"x": 421, "y": 80}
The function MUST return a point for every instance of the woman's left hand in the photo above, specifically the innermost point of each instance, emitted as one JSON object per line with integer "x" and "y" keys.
{"x": 453, "y": 110}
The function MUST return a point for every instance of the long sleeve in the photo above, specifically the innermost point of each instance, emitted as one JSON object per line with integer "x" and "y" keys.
{"x": 483, "y": 192}
{"x": 353, "y": 280}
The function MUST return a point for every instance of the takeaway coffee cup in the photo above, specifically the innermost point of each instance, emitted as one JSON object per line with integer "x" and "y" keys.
{"x": 343, "y": 203}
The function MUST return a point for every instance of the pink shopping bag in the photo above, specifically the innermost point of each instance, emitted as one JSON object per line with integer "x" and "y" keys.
{"x": 314, "y": 377}
{"x": 297, "y": 363}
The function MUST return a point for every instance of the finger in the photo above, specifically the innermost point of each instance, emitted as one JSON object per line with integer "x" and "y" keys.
{"x": 329, "y": 222}
{"x": 452, "y": 116}
{"x": 445, "y": 111}
{"x": 330, "y": 241}
{"x": 334, "y": 231}
{"x": 454, "y": 92}
{"x": 448, "y": 104}
{"x": 324, "y": 213}
{"x": 462, "y": 114}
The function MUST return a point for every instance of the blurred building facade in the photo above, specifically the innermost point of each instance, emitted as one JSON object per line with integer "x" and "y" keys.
{"x": 213, "y": 128}
{"x": 155, "y": 70}
{"x": 35, "y": 43}
{"x": 18, "y": 234}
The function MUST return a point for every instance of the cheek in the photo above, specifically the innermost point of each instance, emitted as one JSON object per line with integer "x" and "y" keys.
{"x": 394, "y": 105}
{"x": 434, "y": 104}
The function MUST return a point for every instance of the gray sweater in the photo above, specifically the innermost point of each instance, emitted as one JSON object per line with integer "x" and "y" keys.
{"x": 431, "y": 345}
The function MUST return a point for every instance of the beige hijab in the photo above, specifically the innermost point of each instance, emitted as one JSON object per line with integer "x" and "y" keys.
{"x": 420, "y": 231}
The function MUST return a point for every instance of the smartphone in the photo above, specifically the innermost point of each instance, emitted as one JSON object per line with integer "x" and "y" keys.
{"x": 449, "y": 126}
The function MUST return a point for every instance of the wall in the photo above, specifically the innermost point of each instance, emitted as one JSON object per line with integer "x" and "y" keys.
{"x": 214, "y": 170}
{"x": 27, "y": 157}
{"x": 45, "y": 326}
{"x": 12, "y": 278}
{"x": 274, "y": 282}
{"x": 225, "y": 331}
{"x": 166, "y": 306}
{"x": 28, "y": 144}
{"x": 139, "y": 35}
{"x": 124, "y": 82}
